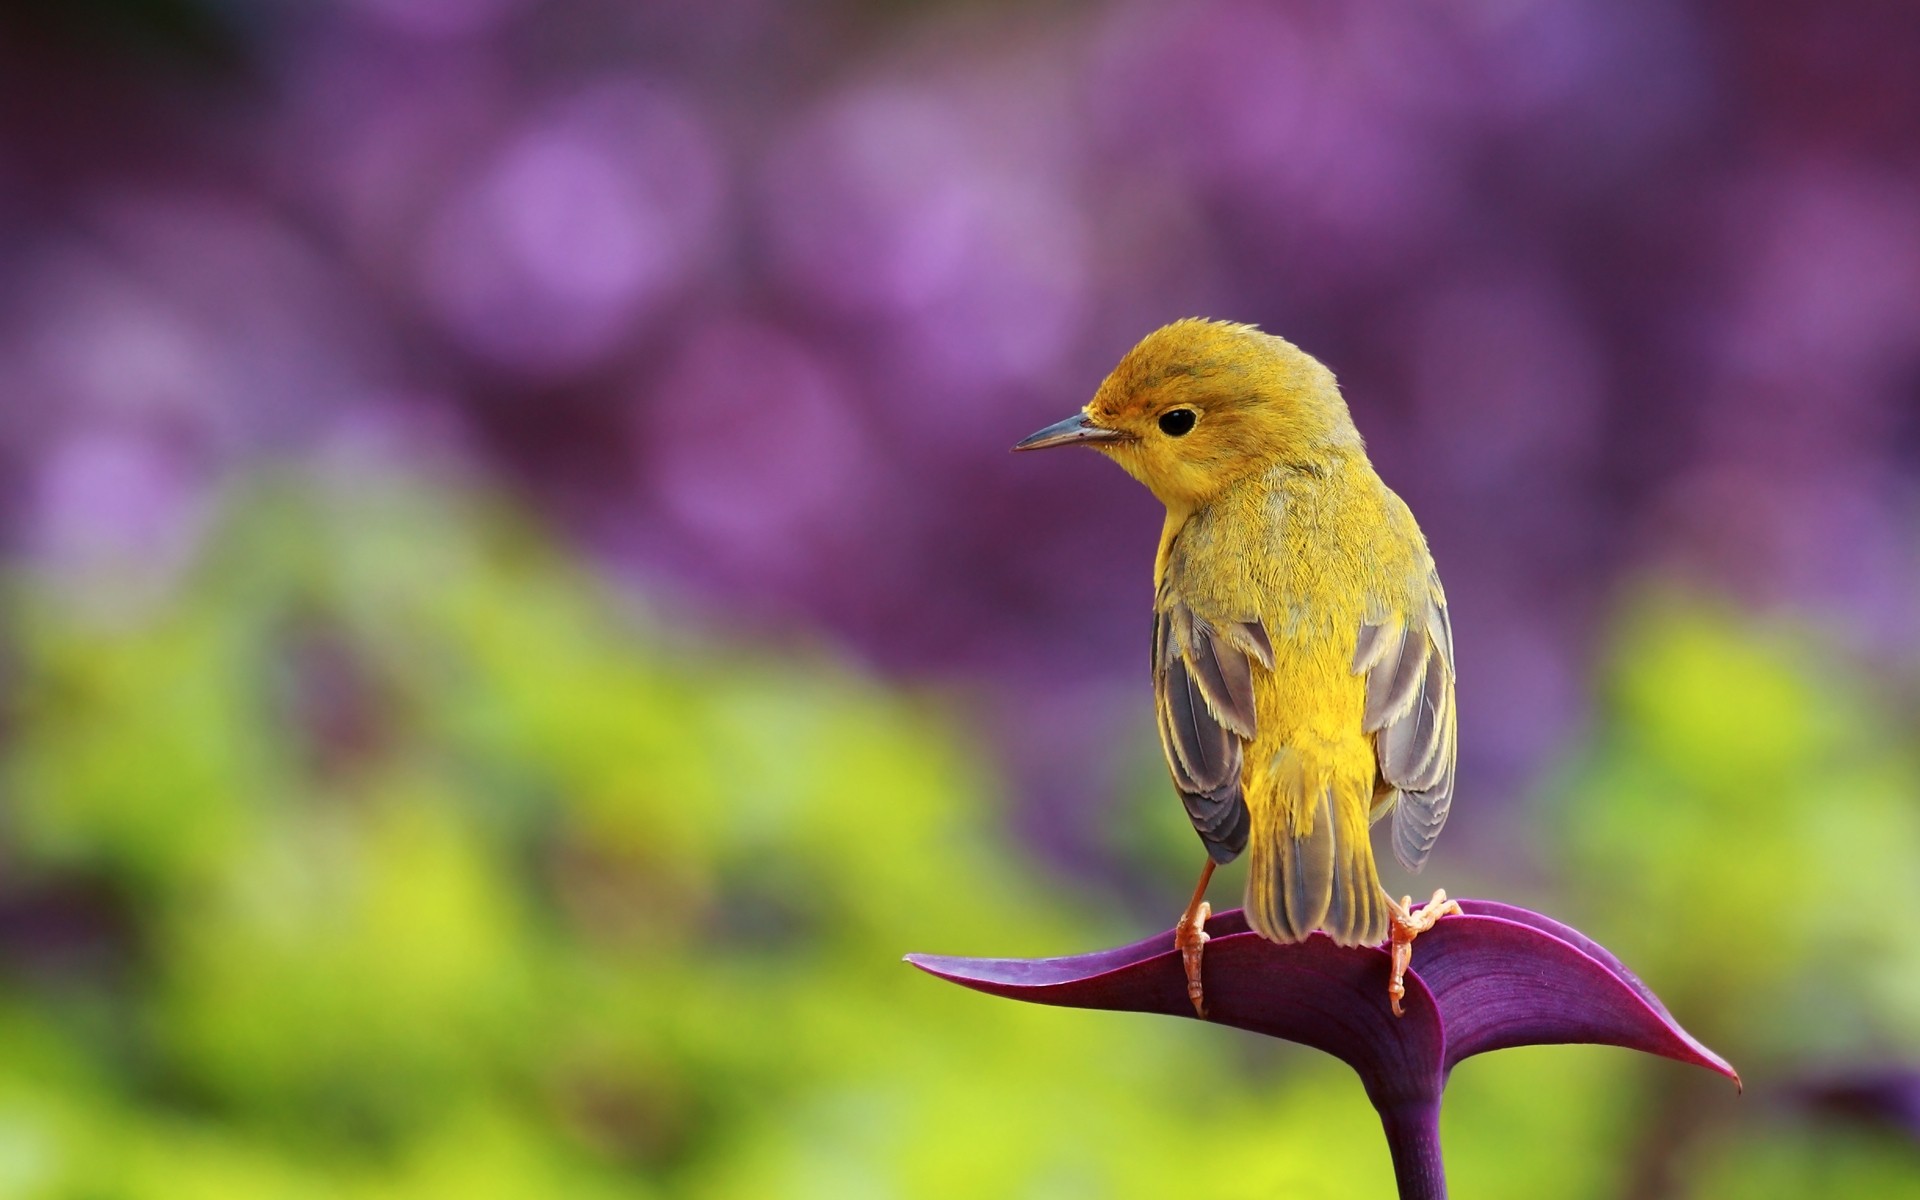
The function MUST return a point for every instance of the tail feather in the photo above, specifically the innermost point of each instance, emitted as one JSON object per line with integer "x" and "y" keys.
{"x": 1305, "y": 877}
{"x": 1312, "y": 863}
{"x": 1357, "y": 915}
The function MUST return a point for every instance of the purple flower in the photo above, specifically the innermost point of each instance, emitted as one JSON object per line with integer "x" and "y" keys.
{"x": 1494, "y": 977}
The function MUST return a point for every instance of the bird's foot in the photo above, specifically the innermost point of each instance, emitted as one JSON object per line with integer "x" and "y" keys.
{"x": 1190, "y": 937}
{"x": 1408, "y": 923}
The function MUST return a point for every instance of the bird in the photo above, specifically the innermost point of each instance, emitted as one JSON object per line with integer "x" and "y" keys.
{"x": 1303, "y": 663}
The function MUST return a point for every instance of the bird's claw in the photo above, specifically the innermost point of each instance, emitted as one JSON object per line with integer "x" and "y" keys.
{"x": 1190, "y": 937}
{"x": 1407, "y": 924}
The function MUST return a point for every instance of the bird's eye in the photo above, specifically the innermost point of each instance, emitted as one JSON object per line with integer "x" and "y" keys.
{"x": 1175, "y": 422}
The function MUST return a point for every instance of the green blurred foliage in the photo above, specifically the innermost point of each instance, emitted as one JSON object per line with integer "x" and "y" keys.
{"x": 1744, "y": 829}
{"x": 410, "y": 861}
{"x": 429, "y": 868}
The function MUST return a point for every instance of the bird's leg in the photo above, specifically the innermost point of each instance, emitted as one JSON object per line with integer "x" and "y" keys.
{"x": 1190, "y": 937}
{"x": 1407, "y": 925}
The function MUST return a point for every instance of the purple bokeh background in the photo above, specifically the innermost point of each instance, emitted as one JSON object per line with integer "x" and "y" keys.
{"x": 751, "y": 298}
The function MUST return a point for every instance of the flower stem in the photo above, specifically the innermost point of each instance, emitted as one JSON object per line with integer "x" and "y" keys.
{"x": 1413, "y": 1136}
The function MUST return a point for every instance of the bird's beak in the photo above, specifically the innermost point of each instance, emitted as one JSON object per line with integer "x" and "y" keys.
{"x": 1077, "y": 428}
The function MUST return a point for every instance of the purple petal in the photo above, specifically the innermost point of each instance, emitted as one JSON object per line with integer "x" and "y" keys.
{"x": 1330, "y": 997}
{"x": 1491, "y": 977}
{"x": 1518, "y": 981}
{"x": 1569, "y": 935}
{"x": 1495, "y": 977}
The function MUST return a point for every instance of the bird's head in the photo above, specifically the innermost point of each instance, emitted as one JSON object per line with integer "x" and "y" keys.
{"x": 1199, "y": 405}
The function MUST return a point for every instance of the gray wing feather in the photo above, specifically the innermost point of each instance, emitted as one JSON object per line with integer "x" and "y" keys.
{"x": 1408, "y": 746}
{"x": 1396, "y": 675}
{"x": 1254, "y": 634}
{"x": 1203, "y": 689}
{"x": 1370, "y": 645}
{"x": 1225, "y": 678}
{"x": 1204, "y": 753}
{"x": 1410, "y": 710}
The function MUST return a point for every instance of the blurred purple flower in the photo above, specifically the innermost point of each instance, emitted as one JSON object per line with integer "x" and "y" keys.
{"x": 1827, "y": 281}
{"x": 1493, "y": 978}
{"x": 1234, "y": 84}
{"x": 436, "y": 19}
{"x": 199, "y": 311}
{"x": 580, "y": 222}
{"x": 1507, "y": 384}
{"x": 913, "y": 207}
{"x": 754, "y": 453}
{"x": 1265, "y": 111}
{"x": 115, "y": 518}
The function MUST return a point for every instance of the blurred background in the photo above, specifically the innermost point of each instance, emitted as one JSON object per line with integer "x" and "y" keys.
{"x": 516, "y": 610}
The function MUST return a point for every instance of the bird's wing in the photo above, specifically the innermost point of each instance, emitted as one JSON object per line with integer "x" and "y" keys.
{"x": 1203, "y": 691}
{"x": 1408, "y": 664}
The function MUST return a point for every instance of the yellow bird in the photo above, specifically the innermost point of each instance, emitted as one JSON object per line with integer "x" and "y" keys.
{"x": 1302, "y": 654}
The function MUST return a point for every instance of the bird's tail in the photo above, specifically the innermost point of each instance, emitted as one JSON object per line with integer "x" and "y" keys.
{"x": 1312, "y": 863}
